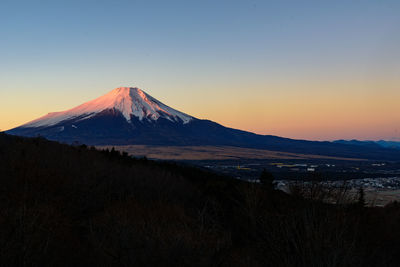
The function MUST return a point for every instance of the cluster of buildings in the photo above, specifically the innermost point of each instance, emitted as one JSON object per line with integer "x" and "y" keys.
{"x": 300, "y": 167}
{"x": 391, "y": 183}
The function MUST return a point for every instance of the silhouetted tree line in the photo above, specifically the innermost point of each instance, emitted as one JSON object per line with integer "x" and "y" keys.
{"x": 66, "y": 205}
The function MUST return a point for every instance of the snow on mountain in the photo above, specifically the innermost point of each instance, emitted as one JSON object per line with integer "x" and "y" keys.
{"x": 130, "y": 101}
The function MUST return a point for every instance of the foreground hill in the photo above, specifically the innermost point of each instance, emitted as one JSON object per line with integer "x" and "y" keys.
{"x": 76, "y": 206}
{"x": 129, "y": 116}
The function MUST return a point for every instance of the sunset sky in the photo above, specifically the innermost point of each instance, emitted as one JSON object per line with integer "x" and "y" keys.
{"x": 318, "y": 70}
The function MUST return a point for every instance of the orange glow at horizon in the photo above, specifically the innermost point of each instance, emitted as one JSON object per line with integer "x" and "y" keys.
{"x": 300, "y": 111}
{"x": 351, "y": 112}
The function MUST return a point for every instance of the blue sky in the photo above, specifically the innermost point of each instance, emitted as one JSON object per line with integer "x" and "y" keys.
{"x": 227, "y": 61}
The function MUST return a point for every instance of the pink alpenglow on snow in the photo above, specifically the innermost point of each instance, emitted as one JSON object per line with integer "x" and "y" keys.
{"x": 130, "y": 101}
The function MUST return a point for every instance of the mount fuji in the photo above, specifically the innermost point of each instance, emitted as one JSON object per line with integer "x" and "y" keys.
{"x": 130, "y": 102}
{"x": 129, "y": 116}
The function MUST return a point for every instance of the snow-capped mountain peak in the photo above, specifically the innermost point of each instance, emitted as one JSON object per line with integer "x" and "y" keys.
{"x": 130, "y": 101}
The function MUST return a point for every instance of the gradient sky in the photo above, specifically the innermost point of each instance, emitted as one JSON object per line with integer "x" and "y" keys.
{"x": 318, "y": 70}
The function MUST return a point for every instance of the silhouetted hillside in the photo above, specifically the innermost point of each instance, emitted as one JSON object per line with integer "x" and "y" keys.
{"x": 76, "y": 206}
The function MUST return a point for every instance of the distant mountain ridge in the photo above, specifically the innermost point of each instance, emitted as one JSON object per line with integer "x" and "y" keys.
{"x": 380, "y": 143}
{"x": 129, "y": 116}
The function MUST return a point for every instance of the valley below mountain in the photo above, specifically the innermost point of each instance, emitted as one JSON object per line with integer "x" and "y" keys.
{"x": 212, "y": 153}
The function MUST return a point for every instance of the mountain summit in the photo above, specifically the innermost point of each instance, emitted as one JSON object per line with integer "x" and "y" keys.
{"x": 129, "y": 116}
{"x": 129, "y": 101}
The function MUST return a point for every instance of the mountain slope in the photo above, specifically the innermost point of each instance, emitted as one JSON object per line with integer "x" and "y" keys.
{"x": 380, "y": 143}
{"x": 127, "y": 116}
